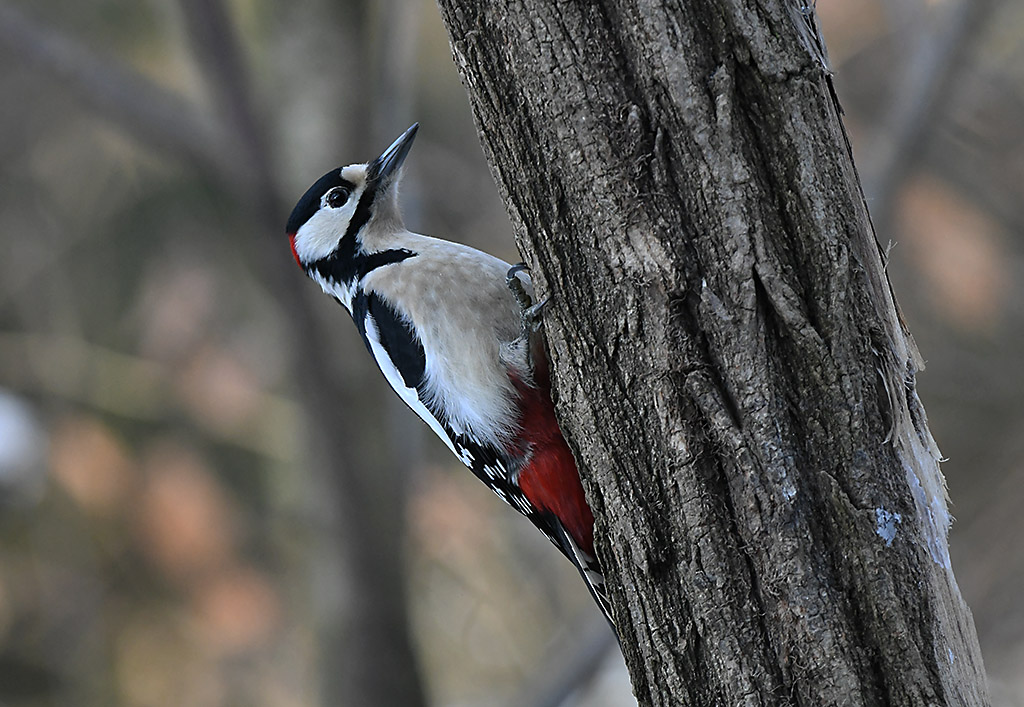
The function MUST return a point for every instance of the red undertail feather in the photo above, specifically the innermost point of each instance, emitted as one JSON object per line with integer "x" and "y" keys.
{"x": 550, "y": 480}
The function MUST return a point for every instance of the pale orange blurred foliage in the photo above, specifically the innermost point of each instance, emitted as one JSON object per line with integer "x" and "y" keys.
{"x": 236, "y": 609}
{"x": 185, "y": 521}
{"x": 91, "y": 464}
{"x": 959, "y": 250}
{"x": 218, "y": 390}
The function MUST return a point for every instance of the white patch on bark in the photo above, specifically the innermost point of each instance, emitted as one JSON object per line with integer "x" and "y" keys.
{"x": 920, "y": 457}
{"x": 929, "y": 489}
{"x": 885, "y": 525}
{"x": 917, "y": 450}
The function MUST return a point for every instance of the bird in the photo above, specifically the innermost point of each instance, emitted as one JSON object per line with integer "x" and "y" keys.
{"x": 457, "y": 337}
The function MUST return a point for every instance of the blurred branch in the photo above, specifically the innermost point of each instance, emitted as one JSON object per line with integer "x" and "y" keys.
{"x": 395, "y": 25}
{"x": 27, "y": 274}
{"x": 151, "y": 114}
{"x": 132, "y": 387}
{"x": 569, "y": 666}
{"x": 923, "y": 89}
{"x": 217, "y": 50}
{"x": 976, "y": 154}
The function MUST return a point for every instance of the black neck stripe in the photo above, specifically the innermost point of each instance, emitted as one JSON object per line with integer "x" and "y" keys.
{"x": 340, "y": 267}
{"x": 368, "y": 263}
{"x": 364, "y": 209}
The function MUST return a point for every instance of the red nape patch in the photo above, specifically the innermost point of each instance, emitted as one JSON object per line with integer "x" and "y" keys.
{"x": 551, "y": 481}
{"x": 295, "y": 254}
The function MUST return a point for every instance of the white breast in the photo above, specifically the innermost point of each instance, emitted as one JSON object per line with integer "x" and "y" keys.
{"x": 463, "y": 313}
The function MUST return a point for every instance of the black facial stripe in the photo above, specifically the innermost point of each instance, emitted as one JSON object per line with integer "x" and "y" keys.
{"x": 364, "y": 209}
{"x": 309, "y": 204}
{"x": 346, "y": 266}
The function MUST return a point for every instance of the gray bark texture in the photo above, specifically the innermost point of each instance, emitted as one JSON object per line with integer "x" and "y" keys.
{"x": 730, "y": 365}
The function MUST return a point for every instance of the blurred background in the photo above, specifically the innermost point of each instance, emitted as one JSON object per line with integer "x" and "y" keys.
{"x": 209, "y": 497}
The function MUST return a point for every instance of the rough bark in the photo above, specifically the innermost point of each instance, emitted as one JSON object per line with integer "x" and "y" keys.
{"x": 730, "y": 365}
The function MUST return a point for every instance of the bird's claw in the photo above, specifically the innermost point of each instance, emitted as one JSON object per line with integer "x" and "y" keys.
{"x": 516, "y": 285}
{"x": 532, "y": 314}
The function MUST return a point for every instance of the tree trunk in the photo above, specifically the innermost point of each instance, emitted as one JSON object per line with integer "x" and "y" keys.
{"x": 730, "y": 365}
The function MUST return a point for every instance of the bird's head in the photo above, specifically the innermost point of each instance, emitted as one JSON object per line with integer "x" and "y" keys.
{"x": 331, "y": 220}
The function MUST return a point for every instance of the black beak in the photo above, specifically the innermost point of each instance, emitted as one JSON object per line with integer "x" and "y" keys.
{"x": 386, "y": 166}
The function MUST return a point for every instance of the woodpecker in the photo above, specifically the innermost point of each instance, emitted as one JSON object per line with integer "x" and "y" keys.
{"x": 454, "y": 333}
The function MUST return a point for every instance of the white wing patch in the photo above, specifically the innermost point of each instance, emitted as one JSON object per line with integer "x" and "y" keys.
{"x": 592, "y": 577}
{"x": 409, "y": 395}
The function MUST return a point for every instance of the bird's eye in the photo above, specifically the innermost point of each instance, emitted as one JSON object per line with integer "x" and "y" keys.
{"x": 338, "y": 196}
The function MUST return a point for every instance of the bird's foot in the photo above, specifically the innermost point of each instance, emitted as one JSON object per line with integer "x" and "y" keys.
{"x": 532, "y": 314}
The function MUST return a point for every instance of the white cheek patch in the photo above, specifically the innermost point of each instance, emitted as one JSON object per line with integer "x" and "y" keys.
{"x": 319, "y": 236}
{"x": 409, "y": 395}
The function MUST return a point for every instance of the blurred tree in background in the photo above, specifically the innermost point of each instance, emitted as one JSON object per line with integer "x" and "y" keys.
{"x": 207, "y": 497}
